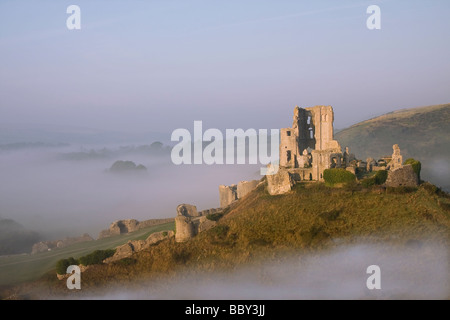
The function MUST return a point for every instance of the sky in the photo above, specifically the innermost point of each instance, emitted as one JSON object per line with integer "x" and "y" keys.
{"x": 159, "y": 65}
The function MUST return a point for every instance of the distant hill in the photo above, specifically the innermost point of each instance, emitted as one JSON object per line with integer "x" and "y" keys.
{"x": 422, "y": 133}
{"x": 127, "y": 167}
{"x": 14, "y": 238}
{"x": 16, "y": 134}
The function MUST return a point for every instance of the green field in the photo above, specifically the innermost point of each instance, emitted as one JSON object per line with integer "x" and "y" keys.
{"x": 20, "y": 268}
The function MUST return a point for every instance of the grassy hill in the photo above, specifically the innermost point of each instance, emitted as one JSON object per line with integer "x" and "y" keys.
{"x": 20, "y": 268}
{"x": 422, "y": 133}
{"x": 312, "y": 217}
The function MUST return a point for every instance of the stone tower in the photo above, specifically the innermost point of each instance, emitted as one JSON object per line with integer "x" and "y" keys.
{"x": 311, "y": 133}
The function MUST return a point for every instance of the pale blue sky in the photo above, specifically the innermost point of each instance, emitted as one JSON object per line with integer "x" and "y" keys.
{"x": 160, "y": 65}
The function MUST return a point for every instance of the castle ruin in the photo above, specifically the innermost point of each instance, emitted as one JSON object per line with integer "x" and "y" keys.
{"x": 308, "y": 148}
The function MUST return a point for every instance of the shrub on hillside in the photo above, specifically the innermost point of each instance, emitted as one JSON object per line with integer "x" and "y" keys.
{"x": 335, "y": 176}
{"x": 368, "y": 182}
{"x": 430, "y": 188}
{"x": 96, "y": 257}
{"x": 378, "y": 179}
{"x": 63, "y": 264}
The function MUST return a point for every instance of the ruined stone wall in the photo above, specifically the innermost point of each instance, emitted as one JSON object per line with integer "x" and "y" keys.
{"x": 288, "y": 148}
{"x": 245, "y": 187}
{"x": 227, "y": 195}
{"x": 210, "y": 211}
{"x": 189, "y": 222}
{"x": 44, "y": 246}
{"x": 184, "y": 229}
{"x": 187, "y": 210}
{"x": 128, "y": 249}
{"x": 153, "y": 222}
{"x": 280, "y": 183}
{"x": 130, "y": 225}
{"x": 304, "y": 126}
{"x": 300, "y": 174}
{"x": 397, "y": 158}
{"x": 402, "y": 177}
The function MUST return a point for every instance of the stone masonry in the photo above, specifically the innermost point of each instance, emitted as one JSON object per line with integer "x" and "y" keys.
{"x": 189, "y": 222}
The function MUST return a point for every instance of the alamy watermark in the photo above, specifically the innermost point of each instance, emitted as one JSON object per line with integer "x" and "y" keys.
{"x": 74, "y": 280}
{"x": 374, "y": 280}
{"x": 221, "y": 149}
{"x": 73, "y": 22}
{"x": 374, "y": 21}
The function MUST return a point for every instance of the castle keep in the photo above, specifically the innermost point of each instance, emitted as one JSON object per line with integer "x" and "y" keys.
{"x": 309, "y": 146}
{"x": 307, "y": 149}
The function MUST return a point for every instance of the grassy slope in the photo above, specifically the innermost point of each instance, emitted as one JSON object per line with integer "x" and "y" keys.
{"x": 422, "y": 133}
{"x": 19, "y": 268}
{"x": 261, "y": 226}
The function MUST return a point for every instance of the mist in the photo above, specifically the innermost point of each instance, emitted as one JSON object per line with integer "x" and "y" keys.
{"x": 437, "y": 171}
{"x": 58, "y": 197}
{"x": 407, "y": 272}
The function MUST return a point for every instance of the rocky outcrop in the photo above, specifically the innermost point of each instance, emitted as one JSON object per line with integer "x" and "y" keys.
{"x": 129, "y": 248}
{"x": 57, "y": 244}
{"x": 227, "y": 195}
{"x": 402, "y": 177}
{"x": 125, "y": 226}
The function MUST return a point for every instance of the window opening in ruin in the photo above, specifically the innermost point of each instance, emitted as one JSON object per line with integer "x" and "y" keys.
{"x": 288, "y": 155}
{"x": 288, "y": 133}
{"x": 310, "y": 177}
{"x": 311, "y": 134}
{"x": 308, "y": 121}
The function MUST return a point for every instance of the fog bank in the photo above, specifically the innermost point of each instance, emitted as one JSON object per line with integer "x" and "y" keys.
{"x": 419, "y": 272}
